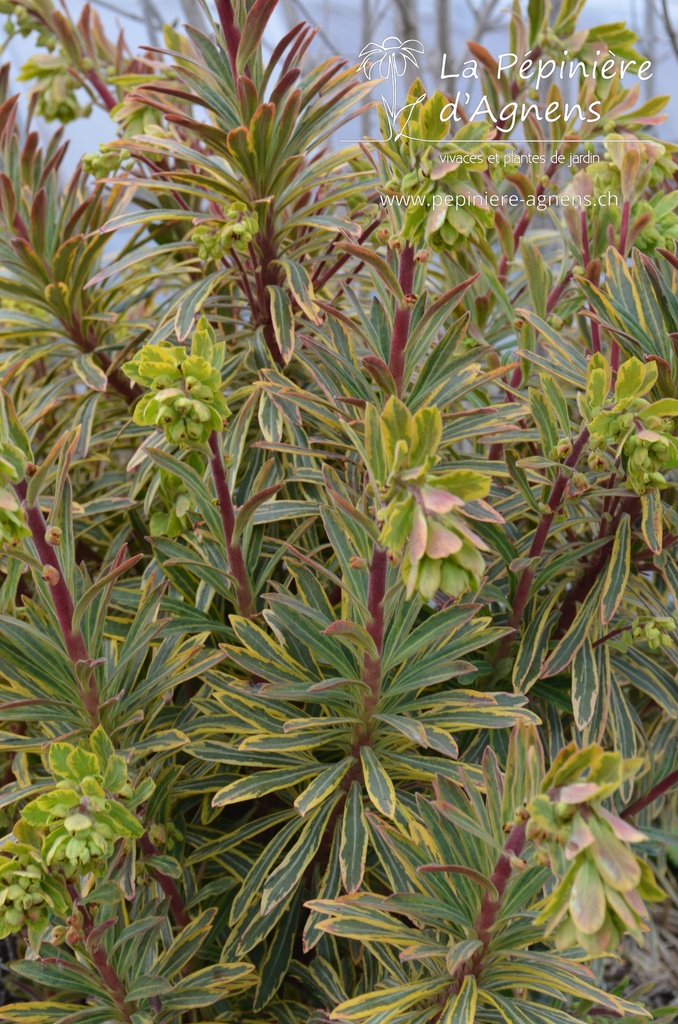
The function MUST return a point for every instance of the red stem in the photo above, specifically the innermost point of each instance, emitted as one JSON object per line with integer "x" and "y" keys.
{"x": 165, "y": 175}
{"x": 615, "y": 355}
{"x": 615, "y": 352}
{"x": 523, "y": 223}
{"x": 116, "y": 379}
{"x": 235, "y": 557}
{"x": 581, "y": 589}
{"x": 166, "y": 883}
{"x": 585, "y": 249}
{"x": 244, "y": 282}
{"x": 267, "y": 274}
{"x": 320, "y": 277}
{"x": 557, "y": 291}
{"x": 542, "y": 531}
{"x": 110, "y": 979}
{"x": 624, "y": 229}
{"x": 272, "y": 344}
{"x": 489, "y": 908}
{"x": 102, "y": 89}
{"x": 375, "y": 625}
{"x": 497, "y": 448}
{"x": 657, "y": 790}
{"x": 609, "y": 636}
{"x": 401, "y": 321}
{"x": 101, "y": 961}
{"x": 62, "y": 600}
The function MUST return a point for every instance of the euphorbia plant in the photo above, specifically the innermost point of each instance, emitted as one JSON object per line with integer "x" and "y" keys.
{"x": 337, "y": 673}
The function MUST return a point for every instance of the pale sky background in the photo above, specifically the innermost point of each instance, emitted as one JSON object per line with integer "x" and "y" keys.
{"x": 346, "y": 25}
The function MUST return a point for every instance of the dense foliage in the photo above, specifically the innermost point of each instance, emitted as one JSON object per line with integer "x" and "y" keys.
{"x": 337, "y": 671}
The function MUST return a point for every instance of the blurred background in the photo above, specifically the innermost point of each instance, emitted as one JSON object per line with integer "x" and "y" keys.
{"x": 345, "y": 26}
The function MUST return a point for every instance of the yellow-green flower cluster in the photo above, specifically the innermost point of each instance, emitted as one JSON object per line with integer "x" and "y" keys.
{"x": 185, "y": 397}
{"x": 56, "y": 88}
{"x": 444, "y": 179}
{"x": 425, "y": 511}
{"x": 647, "y": 453}
{"x": 12, "y": 470}
{"x": 27, "y": 893}
{"x": 638, "y": 167}
{"x": 640, "y": 430}
{"x": 105, "y": 162}
{"x": 175, "y": 520}
{"x": 236, "y": 231}
{"x": 603, "y": 884}
{"x": 21, "y": 896}
{"x": 137, "y": 118}
{"x": 81, "y": 819}
{"x": 22, "y": 21}
{"x": 656, "y": 633}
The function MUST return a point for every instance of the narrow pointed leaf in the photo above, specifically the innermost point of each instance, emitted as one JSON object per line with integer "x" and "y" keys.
{"x": 618, "y": 571}
{"x": 378, "y": 783}
{"x": 353, "y": 848}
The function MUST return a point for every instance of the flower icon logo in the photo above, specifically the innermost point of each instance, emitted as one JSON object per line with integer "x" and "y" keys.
{"x": 390, "y": 59}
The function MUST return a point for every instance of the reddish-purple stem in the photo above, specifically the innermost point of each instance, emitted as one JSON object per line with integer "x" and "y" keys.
{"x": 110, "y": 978}
{"x": 523, "y": 223}
{"x": 489, "y": 908}
{"x": 515, "y": 379}
{"x": 375, "y": 625}
{"x": 116, "y": 379}
{"x": 581, "y": 589}
{"x": 267, "y": 274}
{"x": 585, "y": 250}
{"x": 320, "y": 276}
{"x": 624, "y": 229}
{"x": 235, "y": 557}
{"x": 102, "y": 89}
{"x": 609, "y": 636}
{"x": 94, "y": 944}
{"x": 615, "y": 355}
{"x": 244, "y": 281}
{"x": 615, "y": 352}
{"x": 401, "y": 321}
{"x": 542, "y": 531}
{"x": 586, "y": 256}
{"x": 166, "y": 883}
{"x": 667, "y": 783}
{"x": 557, "y": 291}
{"x": 157, "y": 169}
{"x": 62, "y": 600}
